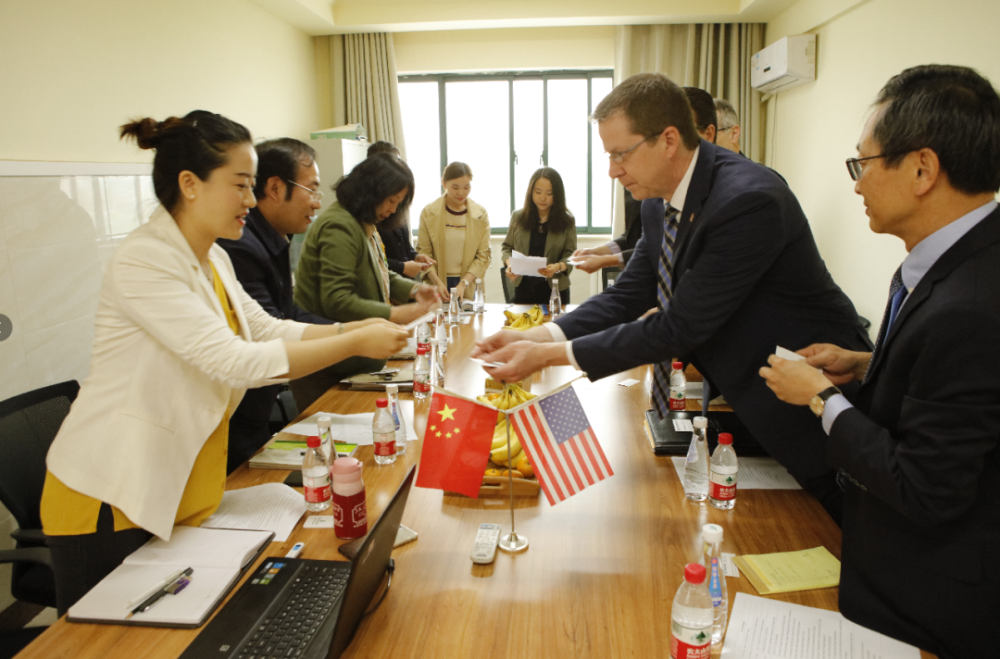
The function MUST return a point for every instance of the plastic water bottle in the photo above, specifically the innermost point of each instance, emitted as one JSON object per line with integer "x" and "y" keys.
{"x": 392, "y": 392}
{"x": 315, "y": 476}
{"x": 350, "y": 511}
{"x": 383, "y": 433}
{"x": 479, "y": 299}
{"x": 711, "y": 534}
{"x": 422, "y": 374}
{"x": 424, "y": 335}
{"x": 722, "y": 482}
{"x": 454, "y": 307}
{"x": 696, "y": 466}
{"x": 555, "y": 300}
{"x": 441, "y": 334}
{"x": 691, "y": 616}
{"x": 326, "y": 438}
{"x": 678, "y": 387}
{"x": 436, "y": 356}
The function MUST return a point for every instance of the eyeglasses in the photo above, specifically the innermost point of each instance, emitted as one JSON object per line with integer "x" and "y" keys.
{"x": 618, "y": 157}
{"x": 854, "y": 165}
{"x": 317, "y": 195}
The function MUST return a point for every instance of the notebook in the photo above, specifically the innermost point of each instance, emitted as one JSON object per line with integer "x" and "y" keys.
{"x": 217, "y": 556}
{"x": 293, "y": 607}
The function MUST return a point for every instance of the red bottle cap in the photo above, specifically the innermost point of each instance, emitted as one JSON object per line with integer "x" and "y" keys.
{"x": 313, "y": 442}
{"x": 694, "y": 573}
{"x": 679, "y": 366}
{"x": 725, "y": 438}
{"x": 382, "y": 402}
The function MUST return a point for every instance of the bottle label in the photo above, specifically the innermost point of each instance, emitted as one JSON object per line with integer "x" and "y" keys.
{"x": 350, "y": 515}
{"x": 690, "y": 642}
{"x": 677, "y": 401}
{"x": 722, "y": 487}
{"x": 714, "y": 587}
{"x": 317, "y": 489}
{"x": 395, "y": 414}
{"x": 421, "y": 383}
{"x": 385, "y": 444}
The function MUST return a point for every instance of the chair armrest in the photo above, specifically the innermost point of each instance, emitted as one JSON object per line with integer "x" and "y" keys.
{"x": 33, "y": 537}
{"x": 39, "y": 555}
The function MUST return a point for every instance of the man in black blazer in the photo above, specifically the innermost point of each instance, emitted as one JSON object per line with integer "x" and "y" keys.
{"x": 747, "y": 277}
{"x": 287, "y": 190}
{"x": 918, "y": 452}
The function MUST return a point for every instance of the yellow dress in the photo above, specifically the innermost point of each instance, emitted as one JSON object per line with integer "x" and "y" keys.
{"x": 65, "y": 511}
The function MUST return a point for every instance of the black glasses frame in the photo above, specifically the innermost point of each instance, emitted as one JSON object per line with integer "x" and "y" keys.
{"x": 854, "y": 165}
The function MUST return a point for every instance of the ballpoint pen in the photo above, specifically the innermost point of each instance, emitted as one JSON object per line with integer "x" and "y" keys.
{"x": 166, "y": 587}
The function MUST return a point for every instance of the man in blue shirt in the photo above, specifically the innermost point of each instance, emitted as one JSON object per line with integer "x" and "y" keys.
{"x": 918, "y": 453}
{"x": 287, "y": 190}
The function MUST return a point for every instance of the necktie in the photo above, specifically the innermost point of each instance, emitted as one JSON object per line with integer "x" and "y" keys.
{"x": 897, "y": 293}
{"x": 664, "y": 289}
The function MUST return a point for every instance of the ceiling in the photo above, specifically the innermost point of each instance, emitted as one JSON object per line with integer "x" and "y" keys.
{"x": 318, "y": 17}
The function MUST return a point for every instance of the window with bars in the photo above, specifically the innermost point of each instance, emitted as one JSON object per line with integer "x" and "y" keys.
{"x": 505, "y": 126}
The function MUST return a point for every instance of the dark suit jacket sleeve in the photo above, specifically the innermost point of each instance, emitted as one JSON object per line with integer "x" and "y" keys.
{"x": 945, "y": 422}
{"x": 395, "y": 266}
{"x": 745, "y": 237}
{"x": 303, "y": 316}
{"x": 250, "y": 268}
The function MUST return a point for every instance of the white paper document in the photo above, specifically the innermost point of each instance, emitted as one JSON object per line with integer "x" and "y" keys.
{"x": 526, "y": 266}
{"x": 628, "y": 382}
{"x": 683, "y": 425}
{"x": 768, "y": 629}
{"x": 754, "y": 474}
{"x": 352, "y": 428}
{"x": 269, "y": 507}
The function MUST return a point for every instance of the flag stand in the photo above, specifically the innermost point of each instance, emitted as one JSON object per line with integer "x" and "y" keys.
{"x": 512, "y": 542}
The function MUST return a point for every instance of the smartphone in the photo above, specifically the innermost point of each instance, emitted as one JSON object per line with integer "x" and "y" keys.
{"x": 404, "y": 535}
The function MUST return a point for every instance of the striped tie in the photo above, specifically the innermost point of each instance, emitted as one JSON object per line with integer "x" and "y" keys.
{"x": 896, "y": 295}
{"x": 664, "y": 289}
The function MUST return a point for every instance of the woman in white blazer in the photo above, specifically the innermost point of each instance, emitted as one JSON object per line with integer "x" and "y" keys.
{"x": 455, "y": 232}
{"x": 177, "y": 342}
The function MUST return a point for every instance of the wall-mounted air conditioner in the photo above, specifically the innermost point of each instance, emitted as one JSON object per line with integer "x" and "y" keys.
{"x": 788, "y": 62}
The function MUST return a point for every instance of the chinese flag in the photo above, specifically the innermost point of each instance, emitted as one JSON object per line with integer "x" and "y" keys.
{"x": 456, "y": 444}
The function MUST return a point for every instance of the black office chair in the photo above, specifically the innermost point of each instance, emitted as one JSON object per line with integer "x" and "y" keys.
{"x": 508, "y": 285}
{"x": 610, "y": 276}
{"x": 28, "y": 424}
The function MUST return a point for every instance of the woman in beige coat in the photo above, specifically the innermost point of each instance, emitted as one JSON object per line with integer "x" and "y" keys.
{"x": 455, "y": 232}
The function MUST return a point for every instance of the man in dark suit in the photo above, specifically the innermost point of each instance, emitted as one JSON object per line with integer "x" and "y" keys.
{"x": 288, "y": 196}
{"x": 918, "y": 452}
{"x": 747, "y": 276}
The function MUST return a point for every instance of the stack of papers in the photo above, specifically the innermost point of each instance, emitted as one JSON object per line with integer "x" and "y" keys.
{"x": 754, "y": 474}
{"x": 767, "y": 629}
{"x": 271, "y": 507}
{"x": 526, "y": 266}
{"x": 791, "y": 570}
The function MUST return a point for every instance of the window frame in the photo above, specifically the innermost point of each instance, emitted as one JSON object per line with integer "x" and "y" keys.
{"x": 510, "y": 77}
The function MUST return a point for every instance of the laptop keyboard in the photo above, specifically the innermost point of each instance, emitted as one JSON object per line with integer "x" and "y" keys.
{"x": 287, "y": 631}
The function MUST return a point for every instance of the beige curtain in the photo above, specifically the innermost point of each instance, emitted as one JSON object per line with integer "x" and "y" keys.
{"x": 371, "y": 90}
{"x": 714, "y": 57}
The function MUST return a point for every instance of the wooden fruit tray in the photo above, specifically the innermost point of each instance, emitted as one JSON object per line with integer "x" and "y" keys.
{"x": 498, "y": 487}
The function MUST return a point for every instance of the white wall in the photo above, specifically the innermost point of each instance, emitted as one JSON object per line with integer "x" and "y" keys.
{"x": 505, "y": 49}
{"x": 71, "y": 72}
{"x": 815, "y": 127}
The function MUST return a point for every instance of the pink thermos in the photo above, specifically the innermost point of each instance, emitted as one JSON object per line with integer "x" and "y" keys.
{"x": 350, "y": 515}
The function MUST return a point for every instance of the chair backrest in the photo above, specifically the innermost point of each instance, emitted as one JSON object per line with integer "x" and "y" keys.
{"x": 28, "y": 424}
{"x": 508, "y": 285}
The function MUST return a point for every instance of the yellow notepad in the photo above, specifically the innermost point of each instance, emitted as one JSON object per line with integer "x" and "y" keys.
{"x": 790, "y": 571}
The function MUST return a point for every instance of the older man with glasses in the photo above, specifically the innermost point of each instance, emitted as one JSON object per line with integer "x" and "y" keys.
{"x": 919, "y": 451}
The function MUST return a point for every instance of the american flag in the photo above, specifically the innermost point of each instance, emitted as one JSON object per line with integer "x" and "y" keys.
{"x": 561, "y": 445}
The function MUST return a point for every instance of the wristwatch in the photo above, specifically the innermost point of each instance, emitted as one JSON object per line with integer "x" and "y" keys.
{"x": 818, "y": 402}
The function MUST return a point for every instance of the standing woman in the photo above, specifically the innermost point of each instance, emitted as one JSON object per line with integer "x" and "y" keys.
{"x": 544, "y": 227}
{"x": 177, "y": 341}
{"x": 455, "y": 232}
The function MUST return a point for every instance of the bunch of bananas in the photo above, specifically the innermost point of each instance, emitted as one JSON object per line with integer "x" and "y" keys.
{"x": 526, "y": 320}
{"x": 515, "y": 458}
{"x": 511, "y": 396}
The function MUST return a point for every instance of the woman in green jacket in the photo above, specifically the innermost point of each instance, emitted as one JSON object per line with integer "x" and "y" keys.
{"x": 544, "y": 227}
{"x": 343, "y": 273}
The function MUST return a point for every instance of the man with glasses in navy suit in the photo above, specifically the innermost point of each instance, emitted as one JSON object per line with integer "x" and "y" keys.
{"x": 918, "y": 451}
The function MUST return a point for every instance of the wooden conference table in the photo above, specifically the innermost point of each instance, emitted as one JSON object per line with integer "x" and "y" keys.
{"x": 598, "y": 577}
